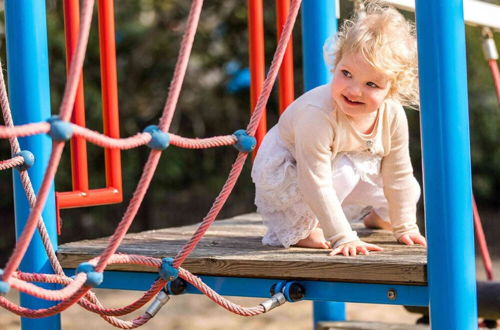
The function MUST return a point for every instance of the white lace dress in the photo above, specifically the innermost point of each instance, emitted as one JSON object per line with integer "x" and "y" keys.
{"x": 285, "y": 214}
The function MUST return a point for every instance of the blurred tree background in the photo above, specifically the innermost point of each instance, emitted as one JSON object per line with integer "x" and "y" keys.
{"x": 148, "y": 34}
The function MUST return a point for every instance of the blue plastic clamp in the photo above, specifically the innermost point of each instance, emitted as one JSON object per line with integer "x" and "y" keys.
{"x": 59, "y": 130}
{"x": 167, "y": 270}
{"x": 29, "y": 160}
{"x": 4, "y": 286}
{"x": 293, "y": 291}
{"x": 93, "y": 278}
{"x": 159, "y": 139}
{"x": 245, "y": 143}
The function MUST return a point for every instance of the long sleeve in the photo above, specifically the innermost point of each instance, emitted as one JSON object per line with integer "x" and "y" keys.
{"x": 400, "y": 187}
{"x": 314, "y": 135}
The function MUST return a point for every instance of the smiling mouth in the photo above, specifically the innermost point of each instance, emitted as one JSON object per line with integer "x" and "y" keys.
{"x": 349, "y": 101}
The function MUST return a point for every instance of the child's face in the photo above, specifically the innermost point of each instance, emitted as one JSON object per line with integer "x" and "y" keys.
{"x": 358, "y": 89}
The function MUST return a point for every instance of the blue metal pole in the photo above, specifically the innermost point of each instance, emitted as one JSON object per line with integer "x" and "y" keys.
{"x": 447, "y": 172}
{"x": 319, "y": 22}
{"x": 28, "y": 76}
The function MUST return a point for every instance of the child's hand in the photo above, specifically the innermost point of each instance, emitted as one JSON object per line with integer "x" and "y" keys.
{"x": 355, "y": 247}
{"x": 413, "y": 238}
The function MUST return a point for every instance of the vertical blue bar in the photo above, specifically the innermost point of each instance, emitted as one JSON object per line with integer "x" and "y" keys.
{"x": 319, "y": 22}
{"x": 28, "y": 76}
{"x": 447, "y": 173}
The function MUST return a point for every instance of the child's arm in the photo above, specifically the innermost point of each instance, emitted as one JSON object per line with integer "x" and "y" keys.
{"x": 400, "y": 187}
{"x": 313, "y": 137}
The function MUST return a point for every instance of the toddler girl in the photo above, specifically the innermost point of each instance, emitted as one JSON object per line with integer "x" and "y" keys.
{"x": 346, "y": 143}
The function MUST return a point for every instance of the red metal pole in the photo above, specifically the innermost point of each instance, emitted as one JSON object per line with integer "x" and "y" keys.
{"x": 286, "y": 88}
{"x": 109, "y": 91}
{"x": 81, "y": 194}
{"x": 481, "y": 241}
{"x": 257, "y": 61}
{"x": 79, "y": 168}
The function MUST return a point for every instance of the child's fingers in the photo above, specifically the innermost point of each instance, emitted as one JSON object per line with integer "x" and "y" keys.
{"x": 418, "y": 239}
{"x": 335, "y": 251}
{"x": 353, "y": 250}
{"x": 373, "y": 247}
{"x": 406, "y": 239}
{"x": 364, "y": 250}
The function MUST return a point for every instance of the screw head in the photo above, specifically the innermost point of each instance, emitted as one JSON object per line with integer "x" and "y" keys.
{"x": 391, "y": 294}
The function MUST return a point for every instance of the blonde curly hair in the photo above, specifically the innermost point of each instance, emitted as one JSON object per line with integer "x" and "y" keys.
{"x": 387, "y": 41}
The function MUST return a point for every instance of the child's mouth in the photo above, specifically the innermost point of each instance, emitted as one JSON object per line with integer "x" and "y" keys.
{"x": 351, "y": 102}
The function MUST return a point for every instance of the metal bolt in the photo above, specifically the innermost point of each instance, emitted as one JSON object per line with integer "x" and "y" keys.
{"x": 391, "y": 294}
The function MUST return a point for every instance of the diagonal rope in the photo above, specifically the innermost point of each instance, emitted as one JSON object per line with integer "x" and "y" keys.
{"x": 71, "y": 295}
{"x": 252, "y": 127}
{"x": 66, "y": 109}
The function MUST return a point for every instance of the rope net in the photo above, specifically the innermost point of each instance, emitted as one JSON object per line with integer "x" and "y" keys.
{"x": 77, "y": 289}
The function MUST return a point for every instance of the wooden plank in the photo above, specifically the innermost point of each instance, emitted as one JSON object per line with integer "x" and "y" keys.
{"x": 356, "y": 325}
{"x": 233, "y": 248}
{"x": 353, "y": 325}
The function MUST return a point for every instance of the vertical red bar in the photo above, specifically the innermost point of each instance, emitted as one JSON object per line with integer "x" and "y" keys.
{"x": 78, "y": 145}
{"x": 286, "y": 89}
{"x": 109, "y": 91}
{"x": 257, "y": 61}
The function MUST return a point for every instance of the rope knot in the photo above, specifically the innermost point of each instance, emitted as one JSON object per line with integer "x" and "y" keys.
{"x": 159, "y": 139}
{"x": 93, "y": 278}
{"x": 245, "y": 143}
{"x": 4, "y": 286}
{"x": 59, "y": 130}
{"x": 167, "y": 270}
{"x": 29, "y": 160}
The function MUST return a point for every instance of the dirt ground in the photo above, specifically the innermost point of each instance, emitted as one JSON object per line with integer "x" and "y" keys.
{"x": 189, "y": 312}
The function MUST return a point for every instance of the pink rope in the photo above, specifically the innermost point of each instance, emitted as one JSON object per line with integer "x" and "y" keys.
{"x": 108, "y": 256}
{"x": 275, "y": 65}
{"x": 24, "y": 130}
{"x": 45, "y": 312}
{"x": 66, "y": 108}
{"x": 76, "y": 65}
{"x": 181, "y": 66}
{"x": 221, "y": 301}
{"x": 154, "y": 156}
{"x": 216, "y": 141}
{"x": 10, "y": 163}
{"x": 53, "y": 295}
{"x": 101, "y": 140}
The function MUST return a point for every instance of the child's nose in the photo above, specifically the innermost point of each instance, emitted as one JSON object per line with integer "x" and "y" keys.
{"x": 354, "y": 90}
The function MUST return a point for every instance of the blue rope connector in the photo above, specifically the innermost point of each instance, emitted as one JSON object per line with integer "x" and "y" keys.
{"x": 59, "y": 130}
{"x": 29, "y": 160}
{"x": 4, "y": 286}
{"x": 167, "y": 270}
{"x": 159, "y": 139}
{"x": 245, "y": 143}
{"x": 93, "y": 278}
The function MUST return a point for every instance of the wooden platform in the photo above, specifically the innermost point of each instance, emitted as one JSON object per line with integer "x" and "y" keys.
{"x": 354, "y": 325}
{"x": 233, "y": 248}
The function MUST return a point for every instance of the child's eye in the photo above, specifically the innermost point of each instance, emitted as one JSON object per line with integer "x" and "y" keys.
{"x": 346, "y": 73}
{"x": 372, "y": 84}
